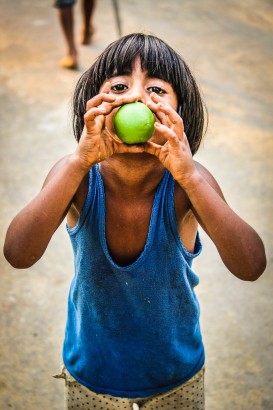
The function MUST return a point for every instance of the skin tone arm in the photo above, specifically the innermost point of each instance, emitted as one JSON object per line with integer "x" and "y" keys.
{"x": 31, "y": 230}
{"x": 239, "y": 246}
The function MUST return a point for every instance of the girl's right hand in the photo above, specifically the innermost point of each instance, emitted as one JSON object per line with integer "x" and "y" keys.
{"x": 97, "y": 141}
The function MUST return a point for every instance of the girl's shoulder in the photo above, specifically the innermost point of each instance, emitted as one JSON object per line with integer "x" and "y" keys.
{"x": 78, "y": 202}
{"x": 185, "y": 216}
{"x": 79, "y": 198}
{"x": 209, "y": 178}
{"x": 182, "y": 202}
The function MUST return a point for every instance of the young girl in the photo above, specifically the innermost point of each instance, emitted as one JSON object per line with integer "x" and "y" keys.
{"x": 132, "y": 337}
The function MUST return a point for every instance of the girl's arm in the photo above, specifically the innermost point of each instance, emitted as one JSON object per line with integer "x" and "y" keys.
{"x": 31, "y": 230}
{"x": 239, "y": 246}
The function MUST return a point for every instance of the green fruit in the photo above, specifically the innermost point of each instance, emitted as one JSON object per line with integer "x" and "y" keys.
{"x": 134, "y": 123}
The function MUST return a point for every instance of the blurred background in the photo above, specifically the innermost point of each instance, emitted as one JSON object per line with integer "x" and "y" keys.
{"x": 228, "y": 45}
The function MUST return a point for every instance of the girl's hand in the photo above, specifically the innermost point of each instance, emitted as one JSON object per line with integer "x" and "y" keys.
{"x": 97, "y": 141}
{"x": 175, "y": 153}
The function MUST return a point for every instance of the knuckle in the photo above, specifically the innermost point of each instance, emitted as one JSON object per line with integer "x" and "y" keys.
{"x": 88, "y": 115}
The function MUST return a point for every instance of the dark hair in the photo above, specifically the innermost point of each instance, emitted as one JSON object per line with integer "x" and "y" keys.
{"x": 160, "y": 61}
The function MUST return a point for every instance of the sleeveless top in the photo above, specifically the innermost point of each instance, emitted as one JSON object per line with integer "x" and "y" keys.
{"x": 132, "y": 331}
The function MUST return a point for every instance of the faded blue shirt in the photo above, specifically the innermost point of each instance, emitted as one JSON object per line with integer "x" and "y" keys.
{"x": 132, "y": 331}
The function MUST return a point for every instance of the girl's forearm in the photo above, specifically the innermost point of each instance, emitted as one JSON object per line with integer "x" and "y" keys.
{"x": 31, "y": 230}
{"x": 239, "y": 246}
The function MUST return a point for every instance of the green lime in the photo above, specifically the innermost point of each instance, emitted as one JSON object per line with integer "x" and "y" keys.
{"x": 134, "y": 123}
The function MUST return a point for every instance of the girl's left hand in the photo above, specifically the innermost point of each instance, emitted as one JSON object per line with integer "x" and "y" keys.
{"x": 175, "y": 153}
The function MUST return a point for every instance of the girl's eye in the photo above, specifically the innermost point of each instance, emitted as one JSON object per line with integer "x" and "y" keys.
{"x": 156, "y": 90}
{"x": 118, "y": 88}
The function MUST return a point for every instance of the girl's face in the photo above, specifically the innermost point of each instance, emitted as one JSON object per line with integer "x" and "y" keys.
{"x": 137, "y": 84}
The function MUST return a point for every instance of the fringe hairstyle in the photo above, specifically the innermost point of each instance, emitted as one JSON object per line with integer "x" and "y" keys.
{"x": 160, "y": 61}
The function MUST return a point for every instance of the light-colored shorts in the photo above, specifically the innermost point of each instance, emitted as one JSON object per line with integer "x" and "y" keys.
{"x": 188, "y": 396}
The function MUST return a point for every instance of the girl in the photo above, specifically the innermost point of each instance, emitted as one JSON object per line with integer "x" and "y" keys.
{"x": 133, "y": 336}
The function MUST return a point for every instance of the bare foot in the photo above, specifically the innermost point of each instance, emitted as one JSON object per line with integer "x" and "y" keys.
{"x": 69, "y": 62}
{"x": 86, "y": 35}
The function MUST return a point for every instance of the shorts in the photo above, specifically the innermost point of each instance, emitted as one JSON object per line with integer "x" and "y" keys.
{"x": 188, "y": 396}
{"x": 63, "y": 3}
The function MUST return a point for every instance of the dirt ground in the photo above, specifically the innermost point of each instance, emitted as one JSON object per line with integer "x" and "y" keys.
{"x": 228, "y": 45}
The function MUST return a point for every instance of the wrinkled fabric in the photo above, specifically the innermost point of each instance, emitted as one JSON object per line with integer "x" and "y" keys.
{"x": 132, "y": 331}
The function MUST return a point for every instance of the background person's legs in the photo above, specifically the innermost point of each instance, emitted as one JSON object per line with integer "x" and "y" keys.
{"x": 66, "y": 19}
{"x": 87, "y": 32}
{"x": 65, "y": 12}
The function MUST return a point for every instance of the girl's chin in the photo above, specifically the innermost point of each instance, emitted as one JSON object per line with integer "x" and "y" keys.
{"x": 137, "y": 156}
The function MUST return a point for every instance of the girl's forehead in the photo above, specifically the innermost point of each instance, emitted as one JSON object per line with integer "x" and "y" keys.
{"x": 128, "y": 66}
{"x": 138, "y": 65}
{"x": 135, "y": 65}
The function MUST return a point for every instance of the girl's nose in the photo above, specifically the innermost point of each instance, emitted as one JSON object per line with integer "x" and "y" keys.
{"x": 141, "y": 96}
{"x": 139, "y": 93}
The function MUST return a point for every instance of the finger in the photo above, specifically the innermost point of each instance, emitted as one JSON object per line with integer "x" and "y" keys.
{"x": 165, "y": 113}
{"x": 152, "y": 148}
{"x": 124, "y": 100}
{"x": 99, "y": 99}
{"x": 161, "y": 104}
{"x": 154, "y": 102}
{"x": 109, "y": 102}
{"x": 168, "y": 133}
{"x": 155, "y": 109}
{"x": 159, "y": 115}
{"x": 156, "y": 97}
{"x": 106, "y": 88}
{"x": 172, "y": 120}
{"x": 163, "y": 118}
{"x": 186, "y": 140}
{"x": 173, "y": 116}
{"x": 117, "y": 103}
{"x": 91, "y": 115}
{"x": 113, "y": 136}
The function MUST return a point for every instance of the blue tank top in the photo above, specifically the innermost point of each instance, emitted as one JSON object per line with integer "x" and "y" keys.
{"x": 132, "y": 331}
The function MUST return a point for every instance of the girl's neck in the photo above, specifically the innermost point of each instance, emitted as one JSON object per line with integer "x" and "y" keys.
{"x": 131, "y": 174}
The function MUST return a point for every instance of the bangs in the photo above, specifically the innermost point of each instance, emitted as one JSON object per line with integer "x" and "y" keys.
{"x": 155, "y": 56}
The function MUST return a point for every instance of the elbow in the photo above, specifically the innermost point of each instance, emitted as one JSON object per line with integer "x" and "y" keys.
{"x": 260, "y": 265}
{"x": 250, "y": 276}
{"x": 17, "y": 259}
{"x": 249, "y": 266}
{"x": 255, "y": 268}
